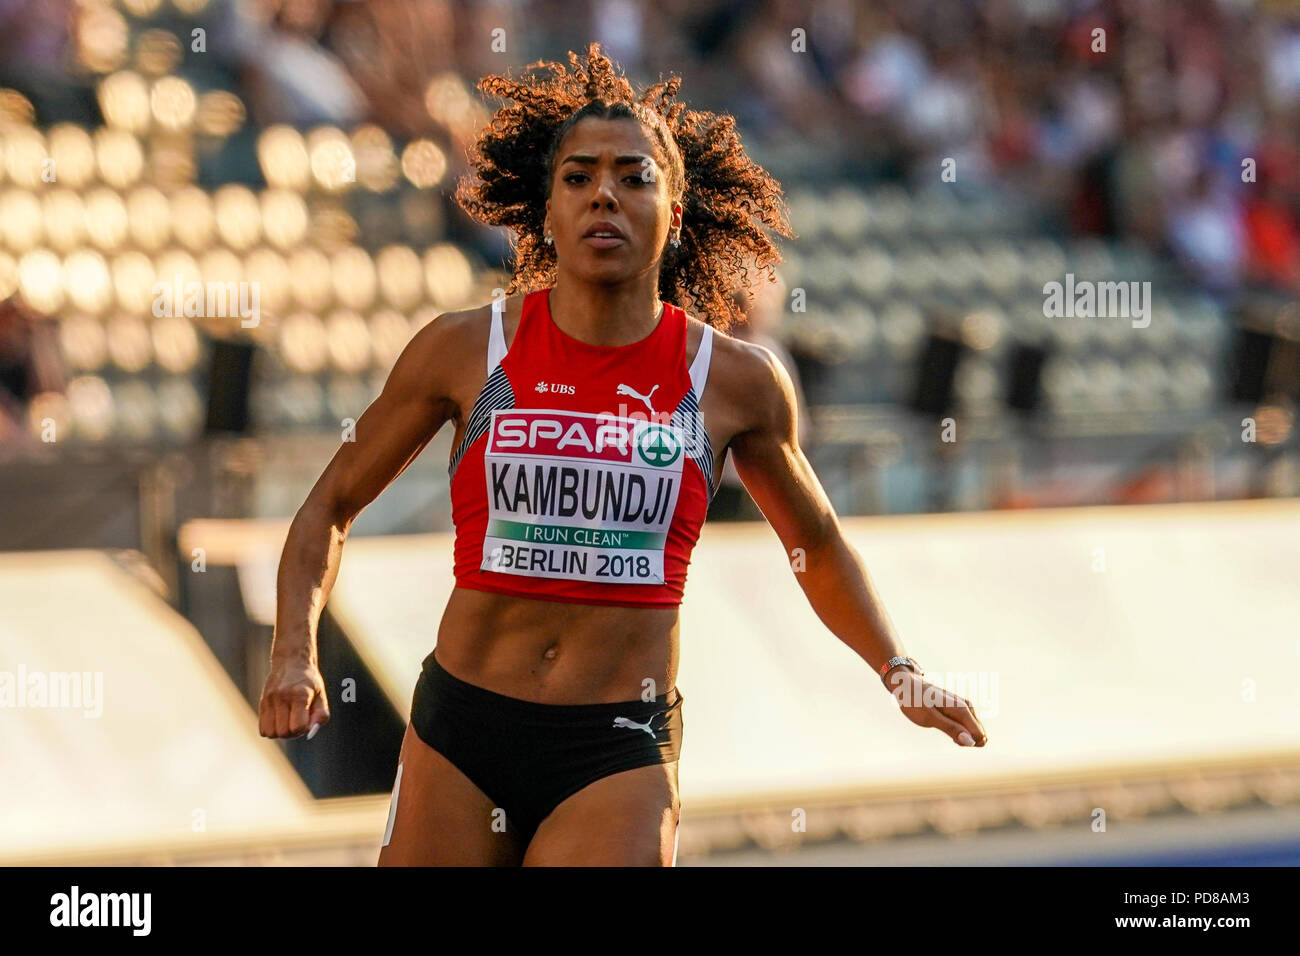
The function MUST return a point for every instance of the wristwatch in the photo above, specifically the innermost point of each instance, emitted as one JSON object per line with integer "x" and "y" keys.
{"x": 893, "y": 662}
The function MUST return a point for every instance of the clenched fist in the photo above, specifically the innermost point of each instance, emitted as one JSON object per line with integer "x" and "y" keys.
{"x": 293, "y": 700}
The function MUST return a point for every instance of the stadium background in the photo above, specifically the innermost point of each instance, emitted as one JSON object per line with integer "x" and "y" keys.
{"x": 1093, "y": 517}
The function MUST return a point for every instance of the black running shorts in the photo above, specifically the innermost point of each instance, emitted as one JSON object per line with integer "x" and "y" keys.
{"x": 528, "y": 757}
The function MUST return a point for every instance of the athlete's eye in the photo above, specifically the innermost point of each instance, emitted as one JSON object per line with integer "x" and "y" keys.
{"x": 570, "y": 177}
{"x": 637, "y": 180}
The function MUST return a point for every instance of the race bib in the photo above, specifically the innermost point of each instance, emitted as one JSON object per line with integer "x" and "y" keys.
{"x": 580, "y": 496}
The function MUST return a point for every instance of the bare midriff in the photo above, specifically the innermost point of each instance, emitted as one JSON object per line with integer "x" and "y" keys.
{"x": 558, "y": 653}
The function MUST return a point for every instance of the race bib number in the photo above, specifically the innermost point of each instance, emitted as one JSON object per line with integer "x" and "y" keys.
{"x": 580, "y": 496}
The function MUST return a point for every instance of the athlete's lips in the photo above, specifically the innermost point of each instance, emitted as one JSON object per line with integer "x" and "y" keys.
{"x": 604, "y": 226}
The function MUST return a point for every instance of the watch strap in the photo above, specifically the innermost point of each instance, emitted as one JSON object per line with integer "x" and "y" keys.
{"x": 893, "y": 662}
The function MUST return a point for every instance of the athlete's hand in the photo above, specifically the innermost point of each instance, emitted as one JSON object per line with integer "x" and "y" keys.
{"x": 293, "y": 699}
{"x": 929, "y": 705}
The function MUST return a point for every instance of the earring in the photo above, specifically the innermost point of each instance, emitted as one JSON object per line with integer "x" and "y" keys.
{"x": 676, "y": 242}
{"x": 549, "y": 241}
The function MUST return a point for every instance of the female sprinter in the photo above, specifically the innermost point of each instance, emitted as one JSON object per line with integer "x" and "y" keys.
{"x": 592, "y": 415}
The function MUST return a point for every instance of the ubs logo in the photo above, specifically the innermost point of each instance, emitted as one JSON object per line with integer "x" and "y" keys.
{"x": 658, "y": 446}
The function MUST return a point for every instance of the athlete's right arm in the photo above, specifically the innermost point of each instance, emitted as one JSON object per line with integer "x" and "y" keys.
{"x": 390, "y": 434}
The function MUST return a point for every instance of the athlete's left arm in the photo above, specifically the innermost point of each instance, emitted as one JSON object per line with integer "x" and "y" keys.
{"x": 833, "y": 577}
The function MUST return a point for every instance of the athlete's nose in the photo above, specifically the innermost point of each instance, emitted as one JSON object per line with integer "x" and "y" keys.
{"x": 604, "y": 194}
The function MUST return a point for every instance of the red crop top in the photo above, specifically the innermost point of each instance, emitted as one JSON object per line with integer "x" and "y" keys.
{"x": 585, "y": 471}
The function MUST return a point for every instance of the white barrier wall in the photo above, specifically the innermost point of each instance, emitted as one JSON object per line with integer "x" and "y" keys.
{"x": 151, "y": 743}
{"x": 1102, "y": 636}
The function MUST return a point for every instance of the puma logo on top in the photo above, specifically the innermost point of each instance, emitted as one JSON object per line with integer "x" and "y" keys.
{"x": 629, "y": 390}
{"x": 628, "y": 722}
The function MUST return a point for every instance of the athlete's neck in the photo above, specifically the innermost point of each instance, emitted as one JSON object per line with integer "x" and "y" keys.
{"x": 606, "y": 315}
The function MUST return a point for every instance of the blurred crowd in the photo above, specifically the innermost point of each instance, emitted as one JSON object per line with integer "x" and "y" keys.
{"x": 1176, "y": 123}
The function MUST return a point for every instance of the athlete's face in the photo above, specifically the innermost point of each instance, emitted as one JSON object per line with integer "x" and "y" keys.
{"x": 608, "y": 171}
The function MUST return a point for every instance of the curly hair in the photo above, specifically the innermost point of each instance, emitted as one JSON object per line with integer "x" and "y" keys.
{"x": 727, "y": 199}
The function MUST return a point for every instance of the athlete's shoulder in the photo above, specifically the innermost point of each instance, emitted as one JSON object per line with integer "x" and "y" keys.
{"x": 447, "y": 351}
{"x": 733, "y": 360}
{"x": 748, "y": 376}
{"x": 465, "y": 331}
